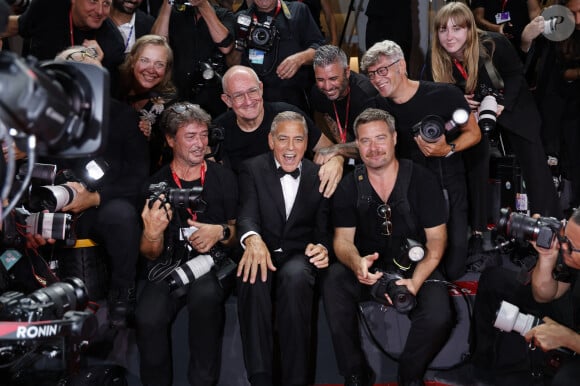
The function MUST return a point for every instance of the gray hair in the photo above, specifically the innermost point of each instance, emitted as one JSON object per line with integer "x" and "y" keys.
{"x": 385, "y": 48}
{"x": 181, "y": 114}
{"x": 373, "y": 115}
{"x": 329, "y": 54}
{"x": 286, "y": 116}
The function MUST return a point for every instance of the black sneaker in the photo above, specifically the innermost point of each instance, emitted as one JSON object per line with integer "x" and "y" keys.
{"x": 121, "y": 304}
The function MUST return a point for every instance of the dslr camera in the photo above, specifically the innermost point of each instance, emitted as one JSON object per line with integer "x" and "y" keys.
{"x": 489, "y": 98}
{"x": 252, "y": 34}
{"x": 403, "y": 300}
{"x": 519, "y": 226}
{"x": 542, "y": 230}
{"x": 177, "y": 198}
{"x": 432, "y": 127}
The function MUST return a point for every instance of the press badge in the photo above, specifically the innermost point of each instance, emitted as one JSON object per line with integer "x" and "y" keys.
{"x": 184, "y": 233}
{"x": 502, "y": 17}
{"x": 256, "y": 56}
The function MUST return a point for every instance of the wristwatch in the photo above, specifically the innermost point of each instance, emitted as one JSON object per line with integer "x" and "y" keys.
{"x": 226, "y": 232}
{"x": 451, "y": 151}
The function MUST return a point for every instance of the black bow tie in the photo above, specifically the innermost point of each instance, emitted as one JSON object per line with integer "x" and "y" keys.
{"x": 281, "y": 172}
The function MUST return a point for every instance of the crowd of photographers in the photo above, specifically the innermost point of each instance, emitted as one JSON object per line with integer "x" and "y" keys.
{"x": 244, "y": 140}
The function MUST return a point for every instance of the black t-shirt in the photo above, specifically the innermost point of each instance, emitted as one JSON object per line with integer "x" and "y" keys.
{"x": 314, "y": 7}
{"x": 361, "y": 90}
{"x": 46, "y": 26}
{"x": 430, "y": 99}
{"x": 220, "y": 193}
{"x": 239, "y": 145}
{"x": 424, "y": 196}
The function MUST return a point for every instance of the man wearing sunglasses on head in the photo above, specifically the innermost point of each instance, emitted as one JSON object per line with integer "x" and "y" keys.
{"x": 415, "y": 104}
{"x": 375, "y": 209}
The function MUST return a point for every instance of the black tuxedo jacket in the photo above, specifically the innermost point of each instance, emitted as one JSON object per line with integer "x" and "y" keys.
{"x": 262, "y": 207}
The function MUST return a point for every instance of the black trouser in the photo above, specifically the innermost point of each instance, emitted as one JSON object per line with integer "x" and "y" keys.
{"x": 431, "y": 324}
{"x": 116, "y": 226}
{"x": 455, "y": 257}
{"x": 156, "y": 311}
{"x": 541, "y": 191}
{"x": 476, "y": 160}
{"x": 291, "y": 288}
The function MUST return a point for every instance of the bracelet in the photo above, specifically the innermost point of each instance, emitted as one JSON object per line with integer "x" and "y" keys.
{"x": 151, "y": 239}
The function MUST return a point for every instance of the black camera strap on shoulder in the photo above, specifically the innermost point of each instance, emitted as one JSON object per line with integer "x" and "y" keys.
{"x": 398, "y": 196}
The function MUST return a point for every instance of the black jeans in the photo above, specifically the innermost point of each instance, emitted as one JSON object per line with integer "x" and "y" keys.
{"x": 116, "y": 226}
{"x": 431, "y": 324}
{"x": 156, "y": 311}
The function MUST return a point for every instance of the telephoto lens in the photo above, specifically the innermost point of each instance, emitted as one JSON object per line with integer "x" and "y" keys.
{"x": 188, "y": 273}
{"x": 509, "y": 318}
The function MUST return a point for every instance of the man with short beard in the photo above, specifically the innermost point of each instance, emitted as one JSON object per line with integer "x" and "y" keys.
{"x": 131, "y": 21}
{"x": 339, "y": 94}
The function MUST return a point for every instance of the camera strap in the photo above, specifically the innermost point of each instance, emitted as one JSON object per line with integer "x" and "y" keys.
{"x": 398, "y": 196}
{"x": 494, "y": 76}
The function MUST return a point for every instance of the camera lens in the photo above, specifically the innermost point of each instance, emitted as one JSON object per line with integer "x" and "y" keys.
{"x": 70, "y": 294}
{"x": 49, "y": 225}
{"x": 184, "y": 198}
{"x": 432, "y": 128}
{"x": 260, "y": 36}
{"x": 51, "y": 197}
{"x": 487, "y": 114}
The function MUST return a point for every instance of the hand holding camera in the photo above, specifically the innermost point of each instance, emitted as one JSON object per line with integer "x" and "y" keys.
{"x": 156, "y": 218}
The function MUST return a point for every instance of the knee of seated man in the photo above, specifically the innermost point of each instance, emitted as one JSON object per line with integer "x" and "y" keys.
{"x": 117, "y": 211}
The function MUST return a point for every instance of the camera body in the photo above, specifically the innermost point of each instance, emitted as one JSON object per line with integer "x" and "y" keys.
{"x": 252, "y": 34}
{"x": 403, "y": 300}
{"x": 432, "y": 127}
{"x": 541, "y": 230}
{"x": 177, "y": 198}
{"x": 489, "y": 98}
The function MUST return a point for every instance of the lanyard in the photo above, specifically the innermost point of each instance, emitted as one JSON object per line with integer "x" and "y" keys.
{"x": 460, "y": 68}
{"x": 129, "y": 37}
{"x": 278, "y": 8}
{"x": 342, "y": 131}
{"x": 503, "y": 5}
{"x": 178, "y": 183}
{"x": 70, "y": 26}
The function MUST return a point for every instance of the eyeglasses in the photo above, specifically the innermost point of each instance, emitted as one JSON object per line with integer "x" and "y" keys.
{"x": 384, "y": 212}
{"x": 80, "y": 55}
{"x": 240, "y": 97}
{"x": 158, "y": 65}
{"x": 564, "y": 240}
{"x": 382, "y": 71}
